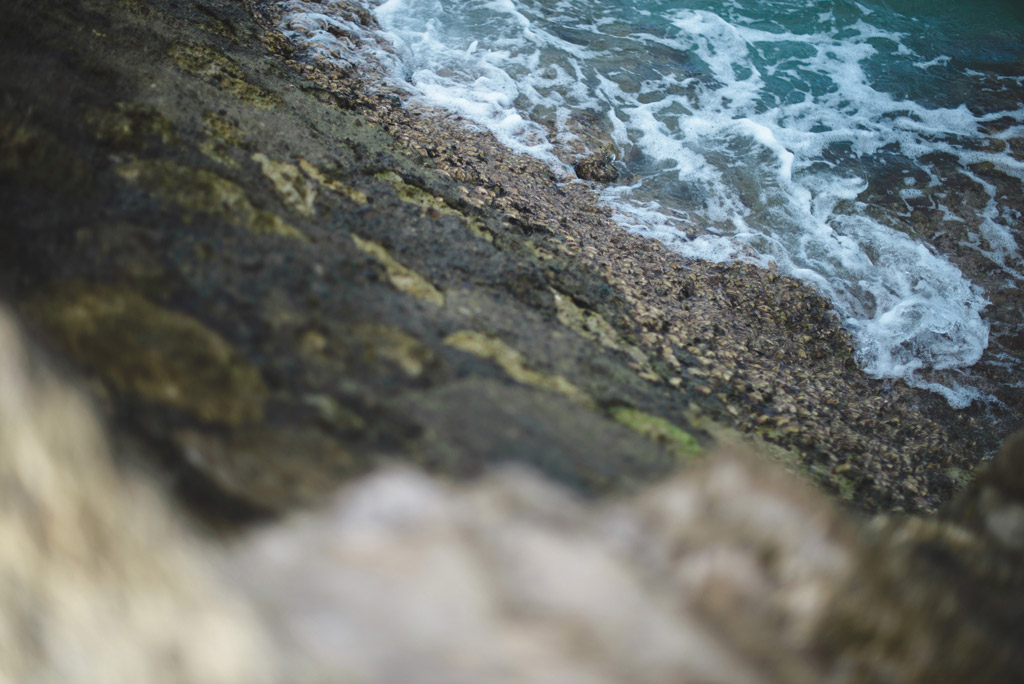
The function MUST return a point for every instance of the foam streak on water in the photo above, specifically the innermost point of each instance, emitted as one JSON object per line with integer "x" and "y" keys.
{"x": 799, "y": 134}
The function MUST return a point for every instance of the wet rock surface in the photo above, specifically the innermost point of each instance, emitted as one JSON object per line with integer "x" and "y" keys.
{"x": 243, "y": 246}
{"x": 599, "y": 167}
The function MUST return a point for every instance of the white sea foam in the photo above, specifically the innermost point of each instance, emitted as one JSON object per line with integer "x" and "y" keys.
{"x": 748, "y": 137}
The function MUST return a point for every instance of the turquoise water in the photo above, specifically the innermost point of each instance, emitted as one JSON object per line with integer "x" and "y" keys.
{"x": 873, "y": 149}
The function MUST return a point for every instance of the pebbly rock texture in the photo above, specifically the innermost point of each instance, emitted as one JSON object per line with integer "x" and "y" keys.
{"x": 599, "y": 167}
{"x": 277, "y": 274}
{"x": 733, "y": 571}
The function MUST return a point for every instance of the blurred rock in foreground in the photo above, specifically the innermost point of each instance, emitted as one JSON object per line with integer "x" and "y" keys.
{"x": 733, "y": 573}
{"x": 98, "y": 580}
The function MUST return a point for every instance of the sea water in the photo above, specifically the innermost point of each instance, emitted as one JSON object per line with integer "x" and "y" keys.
{"x": 863, "y": 147}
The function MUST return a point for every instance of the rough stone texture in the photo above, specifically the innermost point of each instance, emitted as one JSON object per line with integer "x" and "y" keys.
{"x": 275, "y": 276}
{"x": 235, "y": 239}
{"x": 599, "y": 167}
{"x": 153, "y": 354}
{"x": 732, "y": 571}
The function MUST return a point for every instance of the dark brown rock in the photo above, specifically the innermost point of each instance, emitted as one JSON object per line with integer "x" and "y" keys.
{"x": 598, "y": 167}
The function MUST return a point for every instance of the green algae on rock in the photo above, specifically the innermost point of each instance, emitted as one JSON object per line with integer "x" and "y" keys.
{"x": 593, "y": 325}
{"x": 203, "y": 191}
{"x": 392, "y": 345}
{"x": 153, "y": 353}
{"x": 402, "y": 277}
{"x": 211, "y": 65}
{"x": 128, "y": 124}
{"x": 291, "y": 186}
{"x": 32, "y": 154}
{"x": 223, "y": 141}
{"x": 357, "y": 196}
{"x": 513, "y": 363}
{"x": 679, "y": 442}
{"x": 200, "y": 128}
{"x": 432, "y": 204}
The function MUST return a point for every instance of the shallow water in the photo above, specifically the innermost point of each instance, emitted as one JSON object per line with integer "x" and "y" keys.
{"x": 873, "y": 149}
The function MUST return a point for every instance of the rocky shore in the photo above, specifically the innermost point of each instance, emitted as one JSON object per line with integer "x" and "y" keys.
{"x": 276, "y": 275}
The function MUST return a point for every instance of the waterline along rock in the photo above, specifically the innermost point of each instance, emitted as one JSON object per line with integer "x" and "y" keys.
{"x": 322, "y": 384}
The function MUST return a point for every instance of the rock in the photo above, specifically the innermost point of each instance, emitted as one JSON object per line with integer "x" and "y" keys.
{"x": 598, "y": 167}
{"x": 99, "y": 580}
{"x": 731, "y": 572}
{"x": 215, "y": 225}
{"x": 153, "y": 354}
{"x": 277, "y": 277}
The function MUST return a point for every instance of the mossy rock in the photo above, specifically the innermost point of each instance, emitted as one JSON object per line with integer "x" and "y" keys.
{"x": 153, "y": 353}
{"x": 203, "y": 192}
{"x": 213, "y": 67}
{"x": 128, "y": 125}
{"x": 677, "y": 441}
